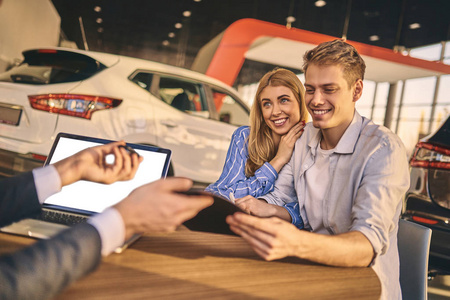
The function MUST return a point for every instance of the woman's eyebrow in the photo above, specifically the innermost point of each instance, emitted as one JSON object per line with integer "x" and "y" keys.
{"x": 283, "y": 96}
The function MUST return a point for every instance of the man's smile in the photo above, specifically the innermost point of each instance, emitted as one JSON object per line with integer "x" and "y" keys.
{"x": 320, "y": 111}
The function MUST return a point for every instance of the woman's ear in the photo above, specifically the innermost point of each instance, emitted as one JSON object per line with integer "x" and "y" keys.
{"x": 358, "y": 88}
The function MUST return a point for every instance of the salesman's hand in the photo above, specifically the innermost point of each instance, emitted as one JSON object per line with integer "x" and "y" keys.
{"x": 90, "y": 164}
{"x": 271, "y": 238}
{"x": 159, "y": 207}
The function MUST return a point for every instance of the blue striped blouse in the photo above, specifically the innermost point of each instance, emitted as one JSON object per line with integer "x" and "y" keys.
{"x": 233, "y": 179}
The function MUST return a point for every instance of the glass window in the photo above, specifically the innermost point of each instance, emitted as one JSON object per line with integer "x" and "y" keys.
{"x": 144, "y": 80}
{"x": 430, "y": 52}
{"x": 419, "y": 91}
{"x": 443, "y": 103}
{"x": 444, "y": 90}
{"x": 52, "y": 66}
{"x": 183, "y": 95}
{"x": 230, "y": 111}
{"x": 365, "y": 103}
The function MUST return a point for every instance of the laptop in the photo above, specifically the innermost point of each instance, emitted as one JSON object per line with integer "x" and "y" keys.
{"x": 75, "y": 203}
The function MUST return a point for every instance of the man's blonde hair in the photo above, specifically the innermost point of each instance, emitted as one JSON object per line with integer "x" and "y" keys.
{"x": 337, "y": 53}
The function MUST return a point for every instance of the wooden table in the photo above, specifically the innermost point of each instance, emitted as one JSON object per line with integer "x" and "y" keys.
{"x": 196, "y": 265}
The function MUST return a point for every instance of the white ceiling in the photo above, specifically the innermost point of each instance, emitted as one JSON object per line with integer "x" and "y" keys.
{"x": 289, "y": 53}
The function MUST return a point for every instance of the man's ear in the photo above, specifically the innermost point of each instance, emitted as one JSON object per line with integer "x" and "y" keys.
{"x": 358, "y": 88}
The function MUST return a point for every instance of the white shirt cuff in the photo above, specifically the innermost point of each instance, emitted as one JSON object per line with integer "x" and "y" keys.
{"x": 111, "y": 228}
{"x": 47, "y": 182}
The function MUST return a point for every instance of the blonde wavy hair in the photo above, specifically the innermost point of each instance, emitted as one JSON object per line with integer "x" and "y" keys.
{"x": 338, "y": 53}
{"x": 261, "y": 147}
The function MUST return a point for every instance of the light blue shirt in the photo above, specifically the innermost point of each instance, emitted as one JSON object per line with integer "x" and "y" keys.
{"x": 369, "y": 176}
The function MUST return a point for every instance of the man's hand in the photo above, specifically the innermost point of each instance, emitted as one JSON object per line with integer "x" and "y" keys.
{"x": 90, "y": 164}
{"x": 159, "y": 207}
{"x": 261, "y": 208}
{"x": 271, "y": 238}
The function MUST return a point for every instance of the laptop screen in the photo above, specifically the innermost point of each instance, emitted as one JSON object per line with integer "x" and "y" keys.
{"x": 88, "y": 197}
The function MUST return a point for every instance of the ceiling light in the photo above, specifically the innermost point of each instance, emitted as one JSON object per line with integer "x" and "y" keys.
{"x": 178, "y": 25}
{"x": 97, "y": 9}
{"x": 171, "y": 34}
{"x": 374, "y": 38}
{"x": 414, "y": 26}
{"x": 187, "y": 13}
{"x": 99, "y": 20}
{"x": 290, "y": 19}
{"x": 165, "y": 43}
{"x": 320, "y": 3}
{"x": 197, "y": 0}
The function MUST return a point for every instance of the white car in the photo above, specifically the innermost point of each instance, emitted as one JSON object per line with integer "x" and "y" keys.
{"x": 116, "y": 97}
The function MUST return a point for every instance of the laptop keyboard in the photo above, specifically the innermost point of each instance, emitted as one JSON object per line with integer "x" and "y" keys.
{"x": 61, "y": 218}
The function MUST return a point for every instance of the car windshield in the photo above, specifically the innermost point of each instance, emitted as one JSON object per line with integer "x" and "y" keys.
{"x": 52, "y": 66}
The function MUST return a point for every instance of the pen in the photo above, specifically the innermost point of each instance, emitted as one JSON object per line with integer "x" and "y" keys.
{"x": 232, "y": 199}
{"x": 110, "y": 158}
{"x": 129, "y": 149}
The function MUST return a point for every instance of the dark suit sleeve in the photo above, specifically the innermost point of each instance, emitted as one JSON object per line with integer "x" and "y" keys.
{"x": 42, "y": 270}
{"x": 18, "y": 198}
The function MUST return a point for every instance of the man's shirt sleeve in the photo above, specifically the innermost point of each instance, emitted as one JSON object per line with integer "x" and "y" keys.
{"x": 109, "y": 223}
{"x": 47, "y": 182}
{"x": 111, "y": 229}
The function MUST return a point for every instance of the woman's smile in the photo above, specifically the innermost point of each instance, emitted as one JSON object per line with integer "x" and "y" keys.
{"x": 280, "y": 109}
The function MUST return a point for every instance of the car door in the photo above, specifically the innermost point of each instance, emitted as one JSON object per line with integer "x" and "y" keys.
{"x": 229, "y": 110}
{"x": 197, "y": 141}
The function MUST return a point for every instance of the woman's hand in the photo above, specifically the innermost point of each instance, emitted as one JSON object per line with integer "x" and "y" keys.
{"x": 260, "y": 208}
{"x": 255, "y": 206}
{"x": 286, "y": 146}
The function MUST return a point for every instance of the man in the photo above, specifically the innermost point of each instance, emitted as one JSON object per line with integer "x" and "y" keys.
{"x": 346, "y": 179}
{"x": 45, "y": 268}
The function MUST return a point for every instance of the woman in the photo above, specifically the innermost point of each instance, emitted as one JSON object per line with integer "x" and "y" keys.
{"x": 257, "y": 153}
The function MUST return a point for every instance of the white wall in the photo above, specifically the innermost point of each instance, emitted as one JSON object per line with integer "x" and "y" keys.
{"x": 26, "y": 24}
